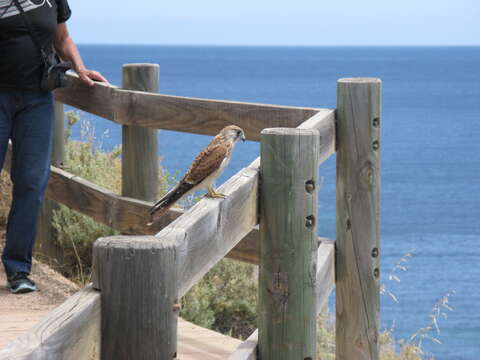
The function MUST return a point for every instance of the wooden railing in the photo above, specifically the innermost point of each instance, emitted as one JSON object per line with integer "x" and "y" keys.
{"x": 140, "y": 276}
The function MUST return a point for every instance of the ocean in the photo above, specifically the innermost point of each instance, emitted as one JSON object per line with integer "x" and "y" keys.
{"x": 430, "y": 158}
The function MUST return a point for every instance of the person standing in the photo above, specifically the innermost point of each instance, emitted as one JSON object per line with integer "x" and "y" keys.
{"x": 26, "y": 118}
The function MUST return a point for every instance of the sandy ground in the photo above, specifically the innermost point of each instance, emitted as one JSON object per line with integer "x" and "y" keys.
{"x": 20, "y": 312}
{"x": 53, "y": 288}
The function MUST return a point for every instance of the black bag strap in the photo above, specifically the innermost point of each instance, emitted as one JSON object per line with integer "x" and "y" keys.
{"x": 34, "y": 36}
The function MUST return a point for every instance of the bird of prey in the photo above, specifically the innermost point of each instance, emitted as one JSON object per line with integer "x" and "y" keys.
{"x": 206, "y": 167}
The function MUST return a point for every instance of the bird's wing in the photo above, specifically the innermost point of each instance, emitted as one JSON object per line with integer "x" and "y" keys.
{"x": 207, "y": 162}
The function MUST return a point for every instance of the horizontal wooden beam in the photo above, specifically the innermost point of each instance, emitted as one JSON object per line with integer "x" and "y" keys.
{"x": 211, "y": 228}
{"x": 247, "y": 350}
{"x": 127, "y": 215}
{"x": 325, "y": 282}
{"x": 159, "y": 111}
{"x": 70, "y": 332}
{"x": 325, "y": 272}
{"x": 324, "y": 122}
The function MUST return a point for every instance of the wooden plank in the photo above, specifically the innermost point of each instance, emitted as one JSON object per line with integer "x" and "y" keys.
{"x": 98, "y": 100}
{"x": 16, "y": 321}
{"x": 211, "y": 228}
{"x": 325, "y": 280}
{"x": 70, "y": 332}
{"x": 204, "y": 116}
{"x": 288, "y": 243}
{"x": 138, "y": 281}
{"x": 358, "y": 219}
{"x": 127, "y": 215}
{"x": 247, "y": 249}
{"x": 248, "y": 349}
{"x": 159, "y": 111}
{"x": 325, "y": 273}
{"x": 197, "y": 343}
{"x": 324, "y": 122}
{"x": 140, "y": 161}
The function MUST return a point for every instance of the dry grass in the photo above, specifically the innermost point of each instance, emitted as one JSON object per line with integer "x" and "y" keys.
{"x": 5, "y": 198}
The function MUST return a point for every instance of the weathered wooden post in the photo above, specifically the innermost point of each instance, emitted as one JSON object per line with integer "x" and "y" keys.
{"x": 140, "y": 145}
{"x": 288, "y": 243}
{"x": 358, "y": 219}
{"x": 45, "y": 243}
{"x": 138, "y": 282}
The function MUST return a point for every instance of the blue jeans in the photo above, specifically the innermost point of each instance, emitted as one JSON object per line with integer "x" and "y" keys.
{"x": 26, "y": 118}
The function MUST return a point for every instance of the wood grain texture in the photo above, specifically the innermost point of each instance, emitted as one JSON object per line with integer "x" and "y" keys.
{"x": 159, "y": 111}
{"x": 140, "y": 161}
{"x": 324, "y": 122}
{"x": 211, "y": 228}
{"x": 358, "y": 219}
{"x": 288, "y": 244}
{"x": 325, "y": 273}
{"x": 99, "y": 100}
{"x": 247, "y": 249}
{"x": 70, "y": 332}
{"x": 248, "y": 349}
{"x": 325, "y": 284}
{"x": 124, "y": 214}
{"x": 58, "y": 145}
{"x": 138, "y": 281}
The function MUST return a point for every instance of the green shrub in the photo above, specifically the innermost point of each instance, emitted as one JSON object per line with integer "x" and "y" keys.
{"x": 225, "y": 299}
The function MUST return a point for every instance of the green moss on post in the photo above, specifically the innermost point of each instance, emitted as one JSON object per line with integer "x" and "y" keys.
{"x": 288, "y": 243}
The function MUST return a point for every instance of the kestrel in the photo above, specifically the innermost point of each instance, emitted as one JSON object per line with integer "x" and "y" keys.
{"x": 205, "y": 169}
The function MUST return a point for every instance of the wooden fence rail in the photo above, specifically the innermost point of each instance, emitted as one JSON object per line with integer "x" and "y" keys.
{"x": 159, "y": 111}
{"x": 141, "y": 278}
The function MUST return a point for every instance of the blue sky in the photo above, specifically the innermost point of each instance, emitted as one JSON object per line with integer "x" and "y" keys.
{"x": 277, "y": 22}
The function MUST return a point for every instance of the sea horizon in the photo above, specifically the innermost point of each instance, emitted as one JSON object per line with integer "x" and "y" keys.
{"x": 282, "y": 46}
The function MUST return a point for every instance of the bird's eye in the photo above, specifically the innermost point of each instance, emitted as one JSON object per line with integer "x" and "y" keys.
{"x": 239, "y": 133}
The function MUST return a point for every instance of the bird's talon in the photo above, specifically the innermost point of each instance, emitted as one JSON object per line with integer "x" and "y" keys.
{"x": 215, "y": 195}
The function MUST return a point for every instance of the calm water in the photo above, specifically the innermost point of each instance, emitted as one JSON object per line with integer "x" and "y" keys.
{"x": 430, "y": 156}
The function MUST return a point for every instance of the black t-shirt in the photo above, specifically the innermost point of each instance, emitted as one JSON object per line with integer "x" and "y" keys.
{"x": 20, "y": 61}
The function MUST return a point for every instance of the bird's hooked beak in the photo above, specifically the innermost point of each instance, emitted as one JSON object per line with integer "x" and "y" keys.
{"x": 243, "y": 137}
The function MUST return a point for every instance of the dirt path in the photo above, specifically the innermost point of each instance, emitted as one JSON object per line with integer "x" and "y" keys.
{"x": 19, "y": 313}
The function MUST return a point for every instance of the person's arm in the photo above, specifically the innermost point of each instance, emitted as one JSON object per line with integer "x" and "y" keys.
{"x": 68, "y": 51}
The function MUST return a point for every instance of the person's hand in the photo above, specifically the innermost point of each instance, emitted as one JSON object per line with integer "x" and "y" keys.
{"x": 90, "y": 76}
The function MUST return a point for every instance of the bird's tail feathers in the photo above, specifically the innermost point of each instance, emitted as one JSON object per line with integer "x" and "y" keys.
{"x": 170, "y": 198}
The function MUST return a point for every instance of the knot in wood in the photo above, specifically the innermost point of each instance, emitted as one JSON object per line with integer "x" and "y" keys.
{"x": 368, "y": 174}
{"x": 310, "y": 186}
{"x": 279, "y": 287}
{"x": 310, "y": 221}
